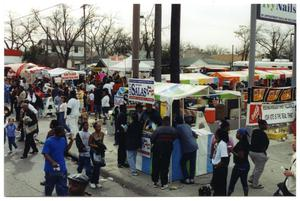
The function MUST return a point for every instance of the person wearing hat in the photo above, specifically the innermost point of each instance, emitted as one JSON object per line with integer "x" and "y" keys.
{"x": 78, "y": 184}
{"x": 258, "y": 153}
{"x": 241, "y": 162}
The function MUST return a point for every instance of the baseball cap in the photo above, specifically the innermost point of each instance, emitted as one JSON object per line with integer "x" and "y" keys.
{"x": 81, "y": 178}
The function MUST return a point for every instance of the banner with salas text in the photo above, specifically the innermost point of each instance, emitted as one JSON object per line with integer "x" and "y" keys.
{"x": 141, "y": 90}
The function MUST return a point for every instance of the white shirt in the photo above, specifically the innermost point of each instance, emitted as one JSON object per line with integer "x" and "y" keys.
{"x": 85, "y": 136}
{"x": 90, "y": 87}
{"x": 92, "y": 97}
{"x": 291, "y": 181}
{"x": 220, "y": 152}
{"x": 105, "y": 101}
{"x": 74, "y": 105}
{"x": 108, "y": 86}
{"x": 30, "y": 107}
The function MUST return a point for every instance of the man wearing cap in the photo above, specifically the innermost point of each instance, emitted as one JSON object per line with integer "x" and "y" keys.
{"x": 55, "y": 168}
{"x": 258, "y": 154}
{"x": 78, "y": 184}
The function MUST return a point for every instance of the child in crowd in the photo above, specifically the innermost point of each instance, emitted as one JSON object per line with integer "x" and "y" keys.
{"x": 10, "y": 130}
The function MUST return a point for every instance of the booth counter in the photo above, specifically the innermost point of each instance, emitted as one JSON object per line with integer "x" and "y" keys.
{"x": 203, "y": 162}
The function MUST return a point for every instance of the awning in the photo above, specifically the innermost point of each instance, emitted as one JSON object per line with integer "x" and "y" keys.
{"x": 194, "y": 78}
{"x": 170, "y": 91}
{"x": 59, "y": 71}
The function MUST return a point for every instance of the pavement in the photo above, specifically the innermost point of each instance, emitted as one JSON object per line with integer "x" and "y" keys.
{"x": 22, "y": 177}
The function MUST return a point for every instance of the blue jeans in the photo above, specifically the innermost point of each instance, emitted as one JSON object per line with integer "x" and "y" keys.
{"x": 6, "y": 97}
{"x": 191, "y": 157}
{"x": 12, "y": 142}
{"x": 131, "y": 158}
{"x": 57, "y": 180}
{"x": 85, "y": 162}
{"x": 96, "y": 171}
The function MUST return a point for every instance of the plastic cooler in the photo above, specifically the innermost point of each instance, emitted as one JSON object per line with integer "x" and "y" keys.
{"x": 210, "y": 115}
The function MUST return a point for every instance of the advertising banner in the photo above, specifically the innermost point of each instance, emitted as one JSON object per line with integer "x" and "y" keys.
{"x": 118, "y": 100}
{"x": 283, "y": 13}
{"x": 253, "y": 113}
{"x": 272, "y": 113}
{"x": 272, "y": 95}
{"x": 279, "y": 113}
{"x": 258, "y": 94}
{"x": 141, "y": 90}
{"x": 70, "y": 76}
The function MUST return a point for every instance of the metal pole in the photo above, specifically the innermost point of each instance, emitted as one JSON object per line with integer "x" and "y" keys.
{"x": 232, "y": 55}
{"x": 135, "y": 40}
{"x": 252, "y": 49}
{"x": 84, "y": 36}
{"x": 294, "y": 58}
{"x": 157, "y": 44}
{"x": 175, "y": 44}
{"x": 46, "y": 63}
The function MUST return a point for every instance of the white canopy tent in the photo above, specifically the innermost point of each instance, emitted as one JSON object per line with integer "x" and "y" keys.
{"x": 59, "y": 71}
{"x": 126, "y": 66}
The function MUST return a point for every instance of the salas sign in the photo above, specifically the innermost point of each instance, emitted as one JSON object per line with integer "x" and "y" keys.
{"x": 283, "y": 13}
{"x": 140, "y": 90}
{"x": 70, "y": 76}
{"x": 272, "y": 113}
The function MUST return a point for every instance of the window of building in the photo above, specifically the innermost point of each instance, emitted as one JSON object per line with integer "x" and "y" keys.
{"x": 53, "y": 48}
{"x": 76, "y": 49}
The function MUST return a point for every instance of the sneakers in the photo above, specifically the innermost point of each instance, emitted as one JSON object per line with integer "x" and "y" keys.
{"x": 192, "y": 181}
{"x": 9, "y": 152}
{"x": 134, "y": 174}
{"x": 23, "y": 157}
{"x": 185, "y": 181}
{"x": 155, "y": 185}
{"x": 98, "y": 185}
{"x": 163, "y": 187}
{"x": 259, "y": 186}
{"x": 250, "y": 181}
{"x": 92, "y": 185}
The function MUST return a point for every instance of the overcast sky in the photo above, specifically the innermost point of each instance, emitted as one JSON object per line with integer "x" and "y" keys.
{"x": 203, "y": 23}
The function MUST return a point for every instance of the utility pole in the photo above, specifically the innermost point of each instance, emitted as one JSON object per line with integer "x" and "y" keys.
{"x": 135, "y": 40}
{"x": 175, "y": 46}
{"x": 47, "y": 34}
{"x": 157, "y": 44}
{"x": 232, "y": 49}
{"x": 252, "y": 49}
{"x": 294, "y": 69}
{"x": 84, "y": 35}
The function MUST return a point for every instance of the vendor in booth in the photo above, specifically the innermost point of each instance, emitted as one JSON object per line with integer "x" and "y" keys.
{"x": 151, "y": 116}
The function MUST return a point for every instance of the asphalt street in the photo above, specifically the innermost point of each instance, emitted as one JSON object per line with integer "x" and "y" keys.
{"x": 23, "y": 177}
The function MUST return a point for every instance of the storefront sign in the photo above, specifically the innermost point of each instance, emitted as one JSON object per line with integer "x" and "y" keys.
{"x": 279, "y": 113}
{"x": 140, "y": 90}
{"x": 146, "y": 147}
{"x": 271, "y": 95}
{"x": 258, "y": 94}
{"x": 283, "y": 13}
{"x": 70, "y": 76}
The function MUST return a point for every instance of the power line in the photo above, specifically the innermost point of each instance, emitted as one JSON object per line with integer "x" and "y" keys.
{"x": 37, "y": 11}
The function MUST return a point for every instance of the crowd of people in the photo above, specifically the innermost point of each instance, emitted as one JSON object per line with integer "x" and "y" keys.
{"x": 76, "y": 102}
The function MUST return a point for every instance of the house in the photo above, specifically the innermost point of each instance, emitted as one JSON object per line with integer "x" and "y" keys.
{"x": 76, "y": 56}
{"x": 12, "y": 56}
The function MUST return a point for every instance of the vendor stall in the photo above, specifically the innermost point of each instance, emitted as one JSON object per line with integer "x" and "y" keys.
{"x": 193, "y": 78}
{"x": 167, "y": 93}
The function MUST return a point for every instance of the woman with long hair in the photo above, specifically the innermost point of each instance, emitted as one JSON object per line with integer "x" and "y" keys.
{"x": 241, "y": 162}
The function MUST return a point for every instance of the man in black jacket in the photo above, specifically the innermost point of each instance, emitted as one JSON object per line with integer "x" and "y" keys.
{"x": 31, "y": 127}
{"x": 258, "y": 154}
{"x": 97, "y": 101}
{"x": 162, "y": 141}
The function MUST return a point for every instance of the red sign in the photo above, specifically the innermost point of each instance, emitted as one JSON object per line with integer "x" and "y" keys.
{"x": 254, "y": 112}
{"x": 70, "y": 76}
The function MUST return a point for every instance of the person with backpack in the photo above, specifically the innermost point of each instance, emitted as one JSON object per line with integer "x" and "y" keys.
{"x": 241, "y": 162}
{"x": 82, "y": 144}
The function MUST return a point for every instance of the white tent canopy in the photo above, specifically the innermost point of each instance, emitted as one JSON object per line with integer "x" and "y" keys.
{"x": 59, "y": 71}
{"x": 126, "y": 65}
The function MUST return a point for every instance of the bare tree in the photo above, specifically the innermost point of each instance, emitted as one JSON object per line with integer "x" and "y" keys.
{"x": 215, "y": 50}
{"x": 63, "y": 30}
{"x": 147, "y": 32}
{"x": 19, "y": 34}
{"x": 121, "y": 43}
{"x": 243, "y": 34}
{"x": 274, "y": 41}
